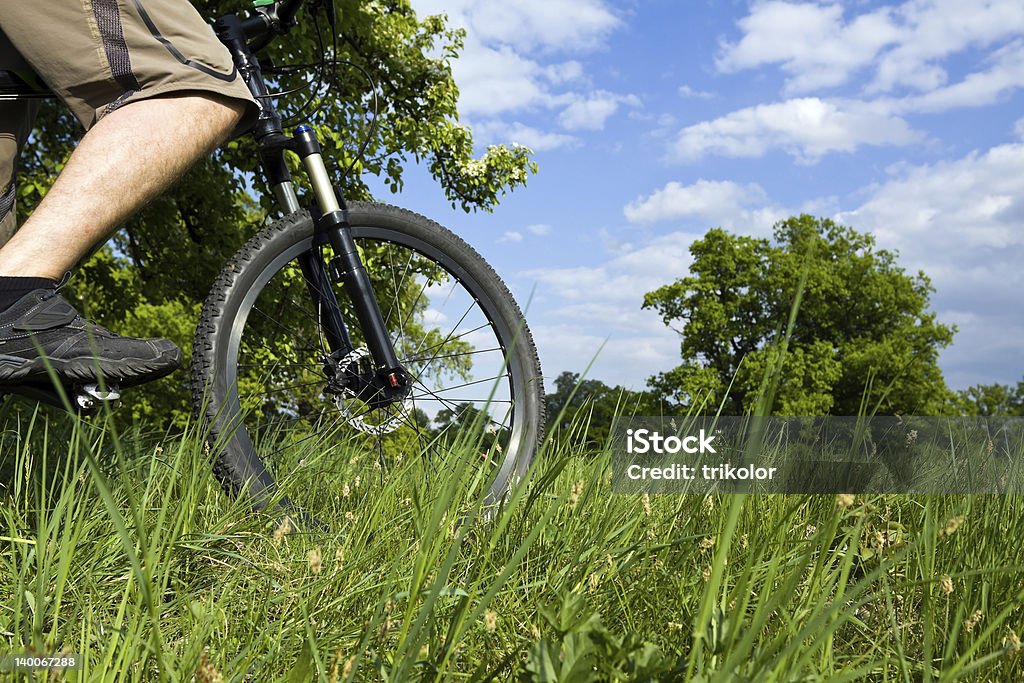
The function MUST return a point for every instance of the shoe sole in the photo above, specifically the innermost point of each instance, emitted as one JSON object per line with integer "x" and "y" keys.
{"x": 126, "y": 372}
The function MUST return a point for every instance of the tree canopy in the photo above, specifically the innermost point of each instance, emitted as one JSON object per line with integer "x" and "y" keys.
{"x": 152, "y": 277}
{"x": 864, "y": 339}
{"x": 589, "y": 407}
{"x": 988, "y": 400}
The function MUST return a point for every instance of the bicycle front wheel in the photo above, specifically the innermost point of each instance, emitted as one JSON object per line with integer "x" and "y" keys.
{"x": 261, "y": 369}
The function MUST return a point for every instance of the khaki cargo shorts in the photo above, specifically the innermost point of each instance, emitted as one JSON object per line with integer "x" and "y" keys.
{"x": 98, "y": 55}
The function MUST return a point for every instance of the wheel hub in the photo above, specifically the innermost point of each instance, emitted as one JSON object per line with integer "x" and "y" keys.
{"x": 368, "y": 403}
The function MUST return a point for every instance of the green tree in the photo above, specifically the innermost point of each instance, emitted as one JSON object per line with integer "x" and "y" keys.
{"x": 987, "y": 400}
{"x": 596, "y": 405}
{"x": 863, "y": 339}
{"x": 151, "y": 278}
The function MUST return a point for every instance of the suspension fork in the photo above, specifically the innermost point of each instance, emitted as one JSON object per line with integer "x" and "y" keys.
{"x": 234, "y": 32}
{"x": 314, "y": 272}
{"x": 346, "y": 267}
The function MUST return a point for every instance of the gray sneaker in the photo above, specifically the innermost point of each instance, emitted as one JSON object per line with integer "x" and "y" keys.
{"x": 42, "y": 327}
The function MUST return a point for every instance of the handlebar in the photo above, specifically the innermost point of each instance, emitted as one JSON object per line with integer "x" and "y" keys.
{"x": 270, "y": 19}
{"x": 244, "y": 37}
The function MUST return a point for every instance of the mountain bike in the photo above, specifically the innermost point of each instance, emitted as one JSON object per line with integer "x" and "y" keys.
{"x": 344, "y": 326}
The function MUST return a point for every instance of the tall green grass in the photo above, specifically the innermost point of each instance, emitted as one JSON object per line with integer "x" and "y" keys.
{"x": 125, "y": 550}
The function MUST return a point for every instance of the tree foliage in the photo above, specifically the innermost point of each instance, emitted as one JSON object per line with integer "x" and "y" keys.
{"x": 992, "y": 400}
{"x": 863, "y": 340}
{"x": 151, "y": 278}
{"x": 593, "y": 406}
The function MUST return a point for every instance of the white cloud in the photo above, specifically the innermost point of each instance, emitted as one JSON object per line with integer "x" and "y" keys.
{"x": 587, "y": 309}
{"x": 902, "y": 46}
{"x": 497, "y": 131}
{"x": 811, "y": 127}
{"x": 499, "y": 69}
{"x": 812, "y": 42}
{"x": 976, "y": 202}
{"x": 687, "y": 91}
{"x": 592, "y": 111}
{"x": 618, "y": 360}
{"x": 960, "y": 222}
{"x": 806, "y": 128}
{"x": 494, "y": 80}
{"x": 720, "y": 203}
{"x": 620, "y": 282}
{"x": 516, "y": 236}
{"x": 932, "y": 30}
{"x": 514, "y": 61}
{"x": 547, "y": 24}
{"x": 563, "y": 72}
{"x": 977, "y": 89}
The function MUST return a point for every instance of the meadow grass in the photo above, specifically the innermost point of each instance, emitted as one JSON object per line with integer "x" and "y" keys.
{"x": 125, "y": 549}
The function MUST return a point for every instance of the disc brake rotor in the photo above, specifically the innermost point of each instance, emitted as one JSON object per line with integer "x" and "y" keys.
{"x": 356, "y": 412}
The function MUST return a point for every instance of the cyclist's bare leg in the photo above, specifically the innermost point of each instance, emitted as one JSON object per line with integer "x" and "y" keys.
{"x": 126, "y": 159}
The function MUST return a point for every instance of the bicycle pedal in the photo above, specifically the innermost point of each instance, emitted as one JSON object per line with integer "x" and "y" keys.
{"x": 89, "y": 397}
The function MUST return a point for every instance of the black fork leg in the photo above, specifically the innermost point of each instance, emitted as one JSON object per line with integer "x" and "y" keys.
{"x": 347, "y": 265}
{"x": 325, "y": 302}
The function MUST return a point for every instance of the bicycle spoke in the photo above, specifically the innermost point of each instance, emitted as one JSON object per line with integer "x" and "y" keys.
{"x": 454, "y": 355}
{"x": 467, "y": 384}
{"x": 460, "y": 336}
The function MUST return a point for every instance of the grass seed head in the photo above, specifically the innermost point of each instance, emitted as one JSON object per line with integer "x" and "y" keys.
{"x": 316, "y": 563}
{"x": 207, "y": 672}
{"x": 707, "y": 543}
{"x": 947, "y": 584}
{"x": 645, "y": 500}
{"x": 951, "y": 527}
{"x": 844, "y": 500}
{"x": 1013, "y": 641}
{"x": 490, "y": 621}
{"x": 973, "y": 621}
{"x": 577, "y": 491}
{"x": 335, "y": 666}
{"x": 283, "y": 529}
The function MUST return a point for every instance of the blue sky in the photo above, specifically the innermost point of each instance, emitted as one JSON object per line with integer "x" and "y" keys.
{"x": 654, "y": 120}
